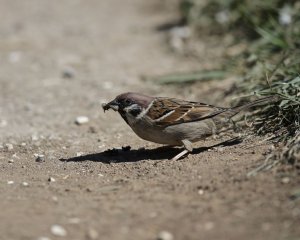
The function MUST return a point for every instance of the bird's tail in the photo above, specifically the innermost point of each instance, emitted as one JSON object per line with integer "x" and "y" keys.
{"x": 235, "y": 110}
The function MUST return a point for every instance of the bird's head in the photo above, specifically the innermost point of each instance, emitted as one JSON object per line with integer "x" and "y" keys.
{"x": 129, "y": 105}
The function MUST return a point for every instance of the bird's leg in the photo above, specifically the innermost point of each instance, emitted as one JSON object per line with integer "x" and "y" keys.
{"x": 188, "y": 145}
{"x": 188, "y": 148}
{"x": 181, "y": 154}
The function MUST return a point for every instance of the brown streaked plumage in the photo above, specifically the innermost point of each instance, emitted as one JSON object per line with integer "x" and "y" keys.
{"x": 173, "y": 121}
{"x": 180, "y": 111}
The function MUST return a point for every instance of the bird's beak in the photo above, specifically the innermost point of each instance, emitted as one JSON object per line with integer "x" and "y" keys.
{"x": 114, "y": 105}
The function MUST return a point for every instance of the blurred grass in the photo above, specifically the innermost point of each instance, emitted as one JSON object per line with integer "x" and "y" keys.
{"x": 270, "y": 64}
{"x": 239, "y": 16}
{"x": 181, "y": 78}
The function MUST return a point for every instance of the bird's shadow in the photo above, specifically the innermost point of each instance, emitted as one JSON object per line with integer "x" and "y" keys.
{"x": 127, "y": 155}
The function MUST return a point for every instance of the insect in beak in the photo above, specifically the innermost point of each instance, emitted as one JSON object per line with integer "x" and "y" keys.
{"x": 113, "y": 105}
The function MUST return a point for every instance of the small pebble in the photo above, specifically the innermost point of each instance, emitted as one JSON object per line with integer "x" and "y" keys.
{"x": 55, "y": 199}
{"x": 285, "y": 180}
{"x": 209, "y": 226}
{"x": 101, "y": 146}
{"x": 40, "y": 158}
{"x": 177, "y": 36}
{"x": 92, "y": 234}
{"x": 14, "y": 56}
{"x": 9, "y": 146}
{"x": 78, "y": 154}
{"x": 25, "y": 184}
{"x": 81, "y": 120}
{"x": 10, "y": 182}
{"x": 51, "y": 179}
{"x": 3, "y": 123}
{"x": 201, "y": 192}
{"x": 44, "y": 238}
{"x": 165, "y": 235}
{"x": 58, "y": 230}
{"x": 68, "y": 72}
{"x": 23, "y": 144}
{"x": 34, "y": 137}
{"x": 10, "y": 161}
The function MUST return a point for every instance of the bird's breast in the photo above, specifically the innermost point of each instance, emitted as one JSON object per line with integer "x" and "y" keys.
{"x": 173, "y": 135}
{"x": 147, "y": 131}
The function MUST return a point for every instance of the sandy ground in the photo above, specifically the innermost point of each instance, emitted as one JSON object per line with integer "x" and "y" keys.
{"x": 60, "y": 60}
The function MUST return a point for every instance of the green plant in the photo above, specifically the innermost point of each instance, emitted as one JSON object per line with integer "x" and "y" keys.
{"x": 271, "y": 63}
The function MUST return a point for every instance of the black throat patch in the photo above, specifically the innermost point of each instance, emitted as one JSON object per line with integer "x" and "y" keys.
{"x": 123, "y": 115}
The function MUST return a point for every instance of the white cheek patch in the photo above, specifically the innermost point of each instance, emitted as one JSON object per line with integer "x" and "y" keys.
{"x": 131, "y": 108}
{"x": 132, "y": 112}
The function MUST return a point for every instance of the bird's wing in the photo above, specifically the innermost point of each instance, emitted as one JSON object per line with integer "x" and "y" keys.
{"x": 171, "y": 111}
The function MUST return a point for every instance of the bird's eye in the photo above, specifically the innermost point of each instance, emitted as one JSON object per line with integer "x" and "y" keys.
{"x": 128, "y": 102}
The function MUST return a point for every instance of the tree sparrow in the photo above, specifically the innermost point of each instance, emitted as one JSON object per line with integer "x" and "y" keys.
{"x": 172, "y": 121}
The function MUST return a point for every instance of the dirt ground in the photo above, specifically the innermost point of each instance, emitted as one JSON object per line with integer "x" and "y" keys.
{"x": 60, "y": 60}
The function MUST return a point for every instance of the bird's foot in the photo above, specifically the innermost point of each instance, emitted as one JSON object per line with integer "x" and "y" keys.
{"x": 188, "y": 148}
{"x": 181, "y": 154}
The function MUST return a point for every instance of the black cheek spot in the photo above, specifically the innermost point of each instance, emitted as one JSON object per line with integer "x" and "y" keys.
{"x": 135, "y": 112}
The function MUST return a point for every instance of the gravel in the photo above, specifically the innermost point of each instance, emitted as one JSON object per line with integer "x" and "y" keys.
{"x": 68, "y": 72}
{"x": 3, "y": 123}
{"x": 58, "y": 230}
{"x": 9, "y": 146}
{"x": 40, "y": 158}
{"x": 81, "y": 120}
{"x": 25, "y": 184}
{"x": 92, "y": 234}
{"x": 165, "y": 235}
{"x": 44, "y": 238}
{"x": 51, "y": 179}
{"x": 200, "y": 191}
{"x": 285, "y": 180}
